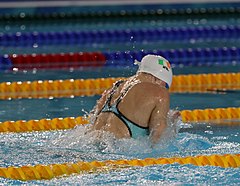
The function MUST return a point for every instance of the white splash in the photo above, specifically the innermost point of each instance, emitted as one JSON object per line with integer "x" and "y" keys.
{"x": 83, "y": 138}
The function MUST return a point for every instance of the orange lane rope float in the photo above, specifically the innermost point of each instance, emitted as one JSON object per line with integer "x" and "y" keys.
{"x": 88, "y": 87}
{"x": 206, "y": 115}
{"x": 196, "y": 115}
{"x": 39, "y": 172}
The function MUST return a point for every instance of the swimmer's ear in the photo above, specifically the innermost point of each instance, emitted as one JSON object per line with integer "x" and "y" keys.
{"x": 136, "y": 62}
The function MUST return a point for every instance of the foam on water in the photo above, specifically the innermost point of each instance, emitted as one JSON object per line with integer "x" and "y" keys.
{"x": 80, "y": 145}
{"x": 81, "y": 138}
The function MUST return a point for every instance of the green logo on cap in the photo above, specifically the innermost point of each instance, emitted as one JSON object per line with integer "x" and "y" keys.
{"x": 166, "y": 65}
{"x": 160, "y": 62}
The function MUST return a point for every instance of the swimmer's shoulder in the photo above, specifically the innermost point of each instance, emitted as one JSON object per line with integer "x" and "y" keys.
{"x": 152, "y": 90}
{"x": 151, "y": 87}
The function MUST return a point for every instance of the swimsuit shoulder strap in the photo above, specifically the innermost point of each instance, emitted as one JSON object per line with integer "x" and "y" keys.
{"x": 116, "y": 85}
{"x": 110, "y": 95}
{"x": 107, "y": 104}
{"x": 119, "y": 99}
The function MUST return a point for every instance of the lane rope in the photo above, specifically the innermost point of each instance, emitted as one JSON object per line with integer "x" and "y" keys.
{"x": 115, "y": 16}
{"x": 61, "y": 60}
{"x": 178, "y": 57}
{"x": 224, "y": 11}
{"x": 197, "y": 115}
{"x": 120, "y": 36}
{"x": 39, "y": 172}
{"x": 89, "y": 87}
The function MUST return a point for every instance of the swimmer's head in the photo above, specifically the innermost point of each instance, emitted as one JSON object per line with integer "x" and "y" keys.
{"x": 157, "y": 66}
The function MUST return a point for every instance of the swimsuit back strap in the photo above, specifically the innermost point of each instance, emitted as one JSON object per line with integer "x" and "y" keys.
{"x": 107, "y": 104}
{"x": 116, "y": 85}
{"x": 119, "y": 99}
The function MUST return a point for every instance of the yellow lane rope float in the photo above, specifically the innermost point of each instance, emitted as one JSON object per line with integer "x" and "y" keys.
{"x": 88, "y": 87}
{"x": 197, "y": 115}
{"x": 39, "y": 172}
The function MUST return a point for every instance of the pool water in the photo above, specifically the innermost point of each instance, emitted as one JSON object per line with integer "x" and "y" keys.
{"x": 22, "y": 109}
{"x": 18, "y": 149}
{"x": 61, "y": 146}
{"x": 72, "y": 146}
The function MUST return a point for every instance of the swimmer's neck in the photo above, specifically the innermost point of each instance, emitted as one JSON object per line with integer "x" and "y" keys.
{"x": 145, "y": 77}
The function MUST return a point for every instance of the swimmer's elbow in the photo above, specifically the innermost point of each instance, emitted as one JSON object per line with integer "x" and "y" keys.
{"x": 155, "y": 137}
{"x": 156, "y": 133}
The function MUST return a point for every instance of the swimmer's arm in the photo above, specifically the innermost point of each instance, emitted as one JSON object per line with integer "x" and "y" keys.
{"x": 158, "y": 119}
{"x": 99, "y": 104}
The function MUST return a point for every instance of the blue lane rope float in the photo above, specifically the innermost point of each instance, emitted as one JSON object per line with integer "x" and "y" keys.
{"x": 120, "y": 36}
{"x": 5, "y": 62}
{"x": 189, "y": 56}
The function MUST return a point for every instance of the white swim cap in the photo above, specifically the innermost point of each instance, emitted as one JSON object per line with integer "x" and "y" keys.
{"x": 157, "y": 66}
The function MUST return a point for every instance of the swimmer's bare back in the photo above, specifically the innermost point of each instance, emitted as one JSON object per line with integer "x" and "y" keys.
{"x": 145, "y": 103}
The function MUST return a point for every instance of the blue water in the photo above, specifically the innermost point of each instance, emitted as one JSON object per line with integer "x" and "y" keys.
{"x": 72, "y": 146}
{"x": 27, "y": 109}
{"x": 19, "y": 149}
